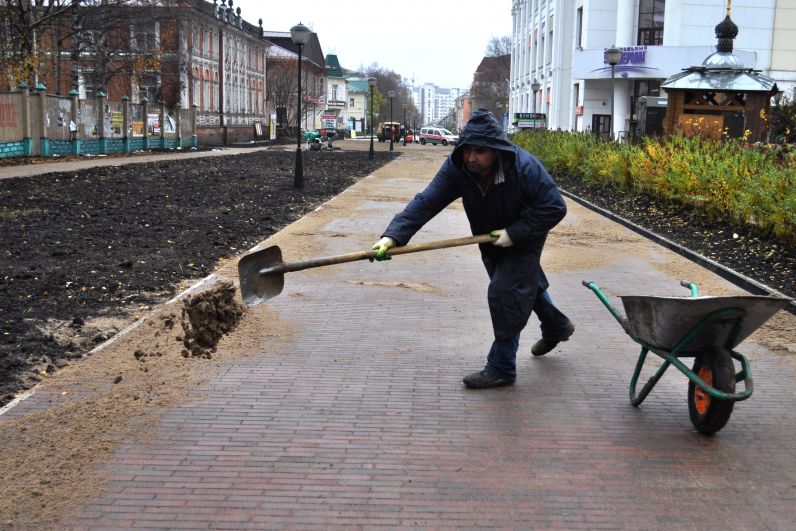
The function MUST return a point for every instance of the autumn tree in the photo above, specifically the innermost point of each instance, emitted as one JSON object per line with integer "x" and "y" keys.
{"x": 490, "y": 89}
{"x": 281, "y": 91}
{"x": 783, "y": 121}
{"x": 88, "y": 41}
{"x": 27, "y": 31}
{"x": 387, "y": 80}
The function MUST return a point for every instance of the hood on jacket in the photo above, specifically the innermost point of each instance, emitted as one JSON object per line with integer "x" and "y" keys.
{"x": 484, "y": 130}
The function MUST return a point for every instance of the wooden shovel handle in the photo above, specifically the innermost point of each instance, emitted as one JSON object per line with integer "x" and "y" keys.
{"x": 363, "y": 255}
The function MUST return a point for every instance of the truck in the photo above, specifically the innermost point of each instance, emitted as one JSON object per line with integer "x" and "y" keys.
{"x": 387, "y": 129}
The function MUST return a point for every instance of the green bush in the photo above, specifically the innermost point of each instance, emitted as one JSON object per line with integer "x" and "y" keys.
{"x": 729, "y": 180}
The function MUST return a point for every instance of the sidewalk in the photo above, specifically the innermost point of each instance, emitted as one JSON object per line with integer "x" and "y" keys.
{"x": 339, "y": 402}
{"x": 54, "y": 165}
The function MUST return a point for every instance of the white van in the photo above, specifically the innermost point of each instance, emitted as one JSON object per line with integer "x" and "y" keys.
{"x": 437, "y": 135}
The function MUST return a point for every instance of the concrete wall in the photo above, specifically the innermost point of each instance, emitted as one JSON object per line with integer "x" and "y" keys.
{"x": 33, "y": 123}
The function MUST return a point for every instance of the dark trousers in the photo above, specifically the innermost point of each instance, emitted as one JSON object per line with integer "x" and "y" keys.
{"x": 502, "y": 358}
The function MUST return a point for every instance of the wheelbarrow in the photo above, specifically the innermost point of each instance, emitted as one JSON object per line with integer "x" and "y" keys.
{"x": 705, "y": 328}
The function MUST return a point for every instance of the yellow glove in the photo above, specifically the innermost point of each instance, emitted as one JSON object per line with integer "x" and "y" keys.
{"x": 503, "y": 239}
{"x": 381, "y": 247}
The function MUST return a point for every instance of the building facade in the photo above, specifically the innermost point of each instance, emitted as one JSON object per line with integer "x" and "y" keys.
{"x": 357, "y": 114}
{"x": 558, "y": 45}
{"x": 464, "y": 106}
{"x": 335, "y": 114}
{"x": 282, "y": 74}
{"x": 196, "y": 54}
{"x": 435, "y": 105}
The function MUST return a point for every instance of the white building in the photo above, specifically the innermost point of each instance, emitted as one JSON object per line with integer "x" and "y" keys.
{"x": 559, "y": 45}
{"x": 434, "y": 103}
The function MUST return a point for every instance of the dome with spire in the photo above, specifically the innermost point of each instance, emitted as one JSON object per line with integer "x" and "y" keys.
{"x": 722, "y": 70}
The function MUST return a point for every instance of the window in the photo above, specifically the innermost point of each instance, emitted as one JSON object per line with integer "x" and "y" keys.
{"x": 579, "y": 29}
{"x": 148, "y": 88}
{"x": 650, "y": 22}
{"x": 351, "y": 102}
{"x": 207, "y": 92}
{"x": 146, "y": 37}
{"x": 197, "y": 86}
{"x": 549, "y": 51}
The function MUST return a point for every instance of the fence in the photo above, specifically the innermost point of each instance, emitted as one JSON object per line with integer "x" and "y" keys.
{"x": 34, "y": 123}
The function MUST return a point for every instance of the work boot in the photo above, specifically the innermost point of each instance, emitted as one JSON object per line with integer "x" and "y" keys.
{"x": 546, "y": 344}
{"x": 485, "y": 380}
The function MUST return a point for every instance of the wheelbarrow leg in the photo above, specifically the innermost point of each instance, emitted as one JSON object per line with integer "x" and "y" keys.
{"x": 636, "y": 400}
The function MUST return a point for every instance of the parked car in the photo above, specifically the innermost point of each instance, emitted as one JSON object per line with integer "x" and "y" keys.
{"x": 437, "y": 135}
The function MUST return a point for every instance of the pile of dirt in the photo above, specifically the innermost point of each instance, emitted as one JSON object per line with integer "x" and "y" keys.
{"x": 207, "y": 317}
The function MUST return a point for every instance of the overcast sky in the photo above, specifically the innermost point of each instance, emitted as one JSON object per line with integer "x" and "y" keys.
{"x": 434, "y": 41}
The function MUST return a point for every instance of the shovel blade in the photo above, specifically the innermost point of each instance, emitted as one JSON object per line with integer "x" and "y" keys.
{"x": 254, "y": 286}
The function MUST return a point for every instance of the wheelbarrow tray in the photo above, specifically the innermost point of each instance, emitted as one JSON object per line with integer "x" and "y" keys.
{"x": 663, "y": 322}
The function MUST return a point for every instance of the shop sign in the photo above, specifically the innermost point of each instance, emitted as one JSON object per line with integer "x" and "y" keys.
{"x": 530, "y": 120}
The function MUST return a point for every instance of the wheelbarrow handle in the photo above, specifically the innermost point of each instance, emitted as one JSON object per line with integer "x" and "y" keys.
{"x": 600, "y": 295}
{"x": 690, "y": 285}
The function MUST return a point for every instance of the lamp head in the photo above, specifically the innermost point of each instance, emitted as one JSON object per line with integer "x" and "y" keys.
{"x": 372, "y": 81}
{"x": 391, "y": 94}
{"x": 535, "y": 86}
{"x": 612, "y": 55}
{"x": 300, "y": 34}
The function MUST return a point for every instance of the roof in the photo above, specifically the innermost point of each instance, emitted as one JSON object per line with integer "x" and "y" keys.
{"x": 358, "y": 84}
{"x": 311, "y": 51}
{"x": 721, "y": 79}
{"x": 334, "y": 66}
{"x": 209, "y": 8}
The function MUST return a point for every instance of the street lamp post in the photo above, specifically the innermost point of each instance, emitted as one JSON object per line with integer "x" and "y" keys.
{"x": 300, "y": 35}
{"x": 371, "y": 84}
{"x": 612, "y": 56}
{"x": 535, "y": 87}
{"x": 405, "y": 128}
{"x": 391, "y": 94}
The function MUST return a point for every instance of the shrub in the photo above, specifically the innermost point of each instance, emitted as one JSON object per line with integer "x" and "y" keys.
{"x": 730, "y": 180}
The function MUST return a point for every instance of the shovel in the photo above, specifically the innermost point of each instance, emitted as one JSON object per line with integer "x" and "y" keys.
{"x": 262, "y": 273}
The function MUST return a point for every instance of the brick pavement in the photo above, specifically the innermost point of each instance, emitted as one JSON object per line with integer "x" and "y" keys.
{"x": 359, "y": 418}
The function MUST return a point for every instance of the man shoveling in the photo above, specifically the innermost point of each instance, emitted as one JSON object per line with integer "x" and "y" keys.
{"x": 507, "y": 192}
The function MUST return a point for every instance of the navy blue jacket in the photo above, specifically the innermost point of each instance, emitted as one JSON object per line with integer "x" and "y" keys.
{"x": 527, "y": 204}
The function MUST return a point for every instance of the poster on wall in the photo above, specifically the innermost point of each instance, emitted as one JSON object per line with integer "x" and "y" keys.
{"x": 169, "y": 125}
{"x": 272, "y": 127}
{"x": 153, "y": 123}
{"x": 136, "y": 120}
{"x": 328, "y": 120}
{"x": 116, "y": 122}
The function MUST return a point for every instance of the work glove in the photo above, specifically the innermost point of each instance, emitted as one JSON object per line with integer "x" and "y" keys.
{"x": 381, "y": 247}
{"x": 503, "y": 239}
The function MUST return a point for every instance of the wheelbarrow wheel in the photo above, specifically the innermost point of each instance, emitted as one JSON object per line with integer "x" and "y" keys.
{"x": 708, "y": 414}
